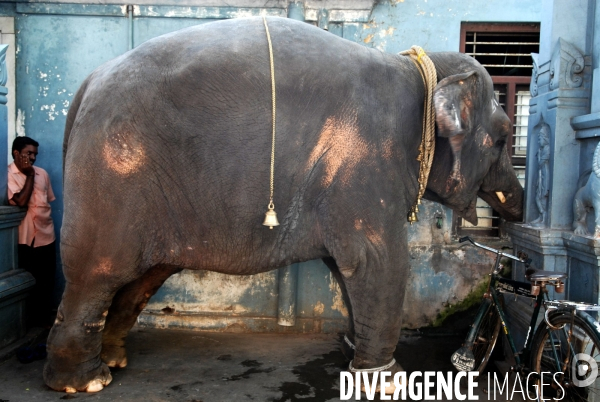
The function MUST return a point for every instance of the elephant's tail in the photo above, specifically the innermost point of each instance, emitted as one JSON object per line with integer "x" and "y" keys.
{"x": 71, "y": 116}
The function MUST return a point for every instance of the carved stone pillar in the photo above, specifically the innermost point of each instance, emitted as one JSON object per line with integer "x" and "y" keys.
{"x": 561, "y": 92}
{"x": 14, "y": 282}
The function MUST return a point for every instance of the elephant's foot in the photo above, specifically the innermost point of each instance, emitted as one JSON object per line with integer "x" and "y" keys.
{"x": 114, "y": 355}
{"x": 94, "y": 386}
{"x": 393, "y": 367}
{"x": 77, "y": 380}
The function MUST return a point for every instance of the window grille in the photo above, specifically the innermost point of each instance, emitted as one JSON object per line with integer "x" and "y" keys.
{"x": 503, "y": 53}
{"x": 520, "y": 125}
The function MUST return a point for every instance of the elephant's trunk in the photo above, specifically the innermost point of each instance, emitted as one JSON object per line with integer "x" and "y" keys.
{"x": 502, "y": 179}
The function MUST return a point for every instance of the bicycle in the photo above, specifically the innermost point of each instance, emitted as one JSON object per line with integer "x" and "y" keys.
{"x": 566, "y": 343}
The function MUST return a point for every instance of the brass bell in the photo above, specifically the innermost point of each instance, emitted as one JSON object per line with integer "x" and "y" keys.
{"x": 412, "y": 217}
{"x": 271, "y": 217}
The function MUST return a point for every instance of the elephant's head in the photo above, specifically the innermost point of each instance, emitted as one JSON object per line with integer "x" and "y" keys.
{"x": 471, "y": 157}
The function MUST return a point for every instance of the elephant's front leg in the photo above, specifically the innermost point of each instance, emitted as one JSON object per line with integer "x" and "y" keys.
{"x": 376, "y": 291}
{"x": 124, "y": 310}
{"x": 347, "y": 346}
{"x": 75, "y": 340}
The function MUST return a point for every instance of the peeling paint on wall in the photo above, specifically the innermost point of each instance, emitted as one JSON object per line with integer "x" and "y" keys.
{"x": 319, "y": 308}
{"x": 440, "y": 277}
{"x": 338, "y": 299}
{"x": 49, "y": 110}
{"x": 204, "y": 291}
{"x": 20, "y": 125}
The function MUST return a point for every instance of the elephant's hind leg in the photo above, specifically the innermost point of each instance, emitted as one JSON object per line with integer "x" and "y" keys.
{"x": 127, "y": 304}
{"x": 74, "y": 342}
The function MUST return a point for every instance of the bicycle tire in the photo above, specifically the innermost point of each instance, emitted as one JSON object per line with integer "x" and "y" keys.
{"x": 584, "y": 339}
{"x": 486, "y": 337}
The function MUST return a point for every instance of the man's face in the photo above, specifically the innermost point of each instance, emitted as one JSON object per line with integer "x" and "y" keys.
{"x": 30, "y": 151}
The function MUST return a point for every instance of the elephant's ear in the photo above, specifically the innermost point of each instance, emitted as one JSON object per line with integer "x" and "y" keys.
{"x": 454, "y": 113}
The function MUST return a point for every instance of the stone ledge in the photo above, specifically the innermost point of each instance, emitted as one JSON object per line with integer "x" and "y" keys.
{"x": 328, "y": 4}
{"x": 553, "y": 237}
{"x": 34, "y": 335}
{"x": 548, "y": 239}
{"x": 340, "y": 11}
{"x": 11, "y": 216}
{"x": 586, "y": 121}
{"x": 14, "y": 282}
{"x": 582, "y": 243}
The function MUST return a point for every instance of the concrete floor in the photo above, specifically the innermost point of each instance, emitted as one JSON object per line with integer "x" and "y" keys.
{"x": 188, "y": 366}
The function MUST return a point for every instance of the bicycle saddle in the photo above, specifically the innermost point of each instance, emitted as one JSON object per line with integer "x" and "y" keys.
{"x": 533, "y": 274}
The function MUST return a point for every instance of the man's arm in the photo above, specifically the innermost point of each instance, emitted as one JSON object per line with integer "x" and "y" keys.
{"x": 22, "y": 197}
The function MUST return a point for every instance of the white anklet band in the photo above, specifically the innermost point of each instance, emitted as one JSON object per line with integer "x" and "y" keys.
{"x": 372, "y": 370}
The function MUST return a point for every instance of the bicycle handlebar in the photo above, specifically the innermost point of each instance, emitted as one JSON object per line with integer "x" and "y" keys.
{"x": 493, "y": 250}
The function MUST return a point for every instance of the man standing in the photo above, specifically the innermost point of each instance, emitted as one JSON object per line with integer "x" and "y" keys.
{"x": 30, "y": 186}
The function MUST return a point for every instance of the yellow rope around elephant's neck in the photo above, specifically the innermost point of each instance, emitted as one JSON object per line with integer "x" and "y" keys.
{"x": 427, "y": 147}
{"x": 271, "y": 218}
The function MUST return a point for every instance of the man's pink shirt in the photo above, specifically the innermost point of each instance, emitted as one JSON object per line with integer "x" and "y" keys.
{"x": 37, "y": 223}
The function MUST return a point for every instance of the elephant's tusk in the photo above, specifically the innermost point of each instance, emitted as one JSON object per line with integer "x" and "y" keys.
{"x": 501, "y": 196}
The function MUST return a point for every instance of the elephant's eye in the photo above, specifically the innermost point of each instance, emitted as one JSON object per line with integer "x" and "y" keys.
{"x": 500, "y": 143}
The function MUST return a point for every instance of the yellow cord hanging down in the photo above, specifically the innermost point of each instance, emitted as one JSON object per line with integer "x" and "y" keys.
{"x": 427, "y": 147}
{"x": 270, "y": 215}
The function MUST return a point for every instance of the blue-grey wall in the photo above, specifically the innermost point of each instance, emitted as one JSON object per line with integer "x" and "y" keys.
{"x": 435, "y": 24}
{"x": 59, "y": 44}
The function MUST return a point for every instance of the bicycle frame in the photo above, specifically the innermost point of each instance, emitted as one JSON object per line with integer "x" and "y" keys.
{"x": 463, "y": 359}
{"x": 499, "y": 285}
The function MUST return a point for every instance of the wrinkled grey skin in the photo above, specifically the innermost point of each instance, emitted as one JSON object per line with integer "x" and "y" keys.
{"x": 167, "y": 152}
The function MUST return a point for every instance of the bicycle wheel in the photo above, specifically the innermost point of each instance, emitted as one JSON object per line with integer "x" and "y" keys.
{"x": 551, "y": 349}
{"x": 486, "y": 337}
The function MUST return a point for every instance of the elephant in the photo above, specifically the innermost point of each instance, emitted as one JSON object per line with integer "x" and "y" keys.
{"x": 167, "y": 167}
